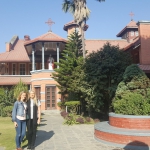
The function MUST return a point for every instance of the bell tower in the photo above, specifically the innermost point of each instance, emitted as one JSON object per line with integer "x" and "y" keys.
{"x": 72, "y": 26}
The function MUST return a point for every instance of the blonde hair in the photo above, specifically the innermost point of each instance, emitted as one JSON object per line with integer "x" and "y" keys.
{"x": 35, "y": 98}
{"x": 19, "y": 97}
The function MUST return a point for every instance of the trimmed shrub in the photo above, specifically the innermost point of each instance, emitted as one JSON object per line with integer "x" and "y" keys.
{"x": 133, "y": 93}
{"x": 132, "y": 104}
{"x": 72, "y": 105}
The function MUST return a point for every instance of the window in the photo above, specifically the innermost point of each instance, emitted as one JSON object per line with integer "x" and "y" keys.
{"x": 22, "y": 69}
{"x": 30, "y": 68}
{"x": 7, "y": 68}
{"x": 13, "y": 69}
{"x": 132, "y": 33}
{"x": 136, "y": 33}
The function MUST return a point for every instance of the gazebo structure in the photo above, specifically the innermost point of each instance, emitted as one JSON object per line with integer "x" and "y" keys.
{"x": 39, "y": 50}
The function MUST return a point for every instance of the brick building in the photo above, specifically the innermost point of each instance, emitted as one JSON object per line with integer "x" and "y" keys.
{"x": 27, "y": 59}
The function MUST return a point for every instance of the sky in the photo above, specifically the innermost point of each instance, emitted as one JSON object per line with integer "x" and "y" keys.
{"x": 28, "y": 17}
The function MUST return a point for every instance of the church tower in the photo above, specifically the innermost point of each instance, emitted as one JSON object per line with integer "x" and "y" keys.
{"x": 129, "y": 32}
{"x": 72, "y": 26}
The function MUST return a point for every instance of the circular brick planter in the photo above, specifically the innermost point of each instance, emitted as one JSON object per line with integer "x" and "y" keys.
{"x": 129, "y": 121}
{"x": 127, "y": 131}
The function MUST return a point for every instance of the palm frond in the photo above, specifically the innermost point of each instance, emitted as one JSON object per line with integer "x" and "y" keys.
{"x": 65, "y": 5}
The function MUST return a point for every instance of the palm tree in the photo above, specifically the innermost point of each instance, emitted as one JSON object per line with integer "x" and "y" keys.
{"x": 80, "y": 12}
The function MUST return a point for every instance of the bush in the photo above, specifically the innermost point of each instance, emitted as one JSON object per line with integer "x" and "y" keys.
{"x": 71, "y": 119}
{"x": 19, "y": 88}
{"x": 132, "y": 104}
{"x": 61, "y": 105}
{"x": 64, "y": 114}
{"x": 133, "y": 93}
{"x": 7, "y": 111}
{"x": 80, "y": 120}
{"x": 72, "y": 105}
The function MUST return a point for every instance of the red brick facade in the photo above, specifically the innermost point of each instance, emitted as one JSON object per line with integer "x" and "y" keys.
{"x": 130, "y": 123}
{"x": 123, "y": 139}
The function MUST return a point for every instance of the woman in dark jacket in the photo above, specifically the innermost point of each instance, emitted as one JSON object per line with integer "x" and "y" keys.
{"x": 33, "y": 119}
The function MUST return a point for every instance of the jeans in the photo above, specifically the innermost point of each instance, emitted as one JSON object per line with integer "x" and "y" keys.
{"x": 20, "y": 131}
{"x": 31, "y": 128}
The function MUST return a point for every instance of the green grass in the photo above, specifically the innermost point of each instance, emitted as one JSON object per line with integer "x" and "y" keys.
{"x": 8, "y": 133}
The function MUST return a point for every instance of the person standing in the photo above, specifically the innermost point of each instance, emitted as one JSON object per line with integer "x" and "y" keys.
{"x": 33, "y": 119}
{"x": 19, "y": 118}
{"x": 50, "y": 62}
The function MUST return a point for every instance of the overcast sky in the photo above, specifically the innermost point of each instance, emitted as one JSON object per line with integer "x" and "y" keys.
{"x": 28, "y": 17}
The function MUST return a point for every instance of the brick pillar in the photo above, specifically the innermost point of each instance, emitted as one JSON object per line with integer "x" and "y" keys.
{"x": 144, "y": 33}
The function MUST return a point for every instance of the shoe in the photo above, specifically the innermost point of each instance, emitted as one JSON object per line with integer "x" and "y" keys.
{"x": 32, "y": 148}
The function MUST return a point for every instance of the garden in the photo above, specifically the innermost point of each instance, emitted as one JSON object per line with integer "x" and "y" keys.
{"x": 7, "y": 130}
{"x": 105, "y": 81}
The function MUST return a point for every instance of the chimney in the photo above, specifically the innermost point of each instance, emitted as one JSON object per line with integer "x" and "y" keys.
{"x": 26, "y": 37}
{"x": 8, "y": 47}
{"x": 144, "y": 34}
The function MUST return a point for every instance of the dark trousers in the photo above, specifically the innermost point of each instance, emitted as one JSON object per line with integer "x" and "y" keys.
{"x": 31, "y": 132}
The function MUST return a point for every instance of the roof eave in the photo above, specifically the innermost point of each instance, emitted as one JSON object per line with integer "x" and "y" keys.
{"x": 121, "y": 32}
{"x": 44, "y": 40}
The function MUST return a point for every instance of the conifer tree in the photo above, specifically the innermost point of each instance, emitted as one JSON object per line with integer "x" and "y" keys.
{"x": 70, "y": 60}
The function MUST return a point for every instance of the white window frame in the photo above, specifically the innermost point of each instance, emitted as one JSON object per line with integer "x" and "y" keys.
{"x": 132, "y": 33}
{"x": 136, "y": 33}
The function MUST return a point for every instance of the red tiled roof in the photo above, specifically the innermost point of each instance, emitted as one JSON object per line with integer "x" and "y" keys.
{"x": 49, "y": 36}
{"x": 73, "y": 23}
{"x": 135, "y": 42}
{"x": 18, "y": 53}
{"x": 145, "y": 67}
{"x": 131, "y": 24}
{"x": 94, "y": 45}
{"x": 13, "y": 80}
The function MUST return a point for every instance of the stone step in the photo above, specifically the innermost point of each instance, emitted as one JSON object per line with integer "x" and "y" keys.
{"x": 125, "y": 138}
{"x": 106, "y": 127}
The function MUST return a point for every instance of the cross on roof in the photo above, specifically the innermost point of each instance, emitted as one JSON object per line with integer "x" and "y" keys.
{"x": 50, "y": 23}
{"x": 131, "y": 14}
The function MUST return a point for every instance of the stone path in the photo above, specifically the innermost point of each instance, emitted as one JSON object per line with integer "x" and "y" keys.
{"x": 53, "y": 135}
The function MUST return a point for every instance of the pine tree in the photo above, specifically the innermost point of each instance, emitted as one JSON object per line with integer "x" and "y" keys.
{"x": 70, "y": 60}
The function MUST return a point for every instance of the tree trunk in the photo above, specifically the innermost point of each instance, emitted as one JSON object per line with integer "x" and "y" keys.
{"x": 83, "y": 42}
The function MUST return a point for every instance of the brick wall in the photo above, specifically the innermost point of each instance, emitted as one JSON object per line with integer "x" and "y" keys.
{"x": 144, "y": 33}
{"x": 130, "y": 123}
{"x": 123, "y": 139}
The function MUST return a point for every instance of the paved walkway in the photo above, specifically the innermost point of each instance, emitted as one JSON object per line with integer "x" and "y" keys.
{"x": 53, "y": 135}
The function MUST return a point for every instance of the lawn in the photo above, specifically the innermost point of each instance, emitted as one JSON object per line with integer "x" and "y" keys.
{"x": 7, "y": 134}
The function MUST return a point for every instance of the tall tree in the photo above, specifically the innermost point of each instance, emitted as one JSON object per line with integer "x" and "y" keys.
{"x": 71, "y": 58}
{"x": 80, "y": 12}
{"x": 103, "y": 71}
